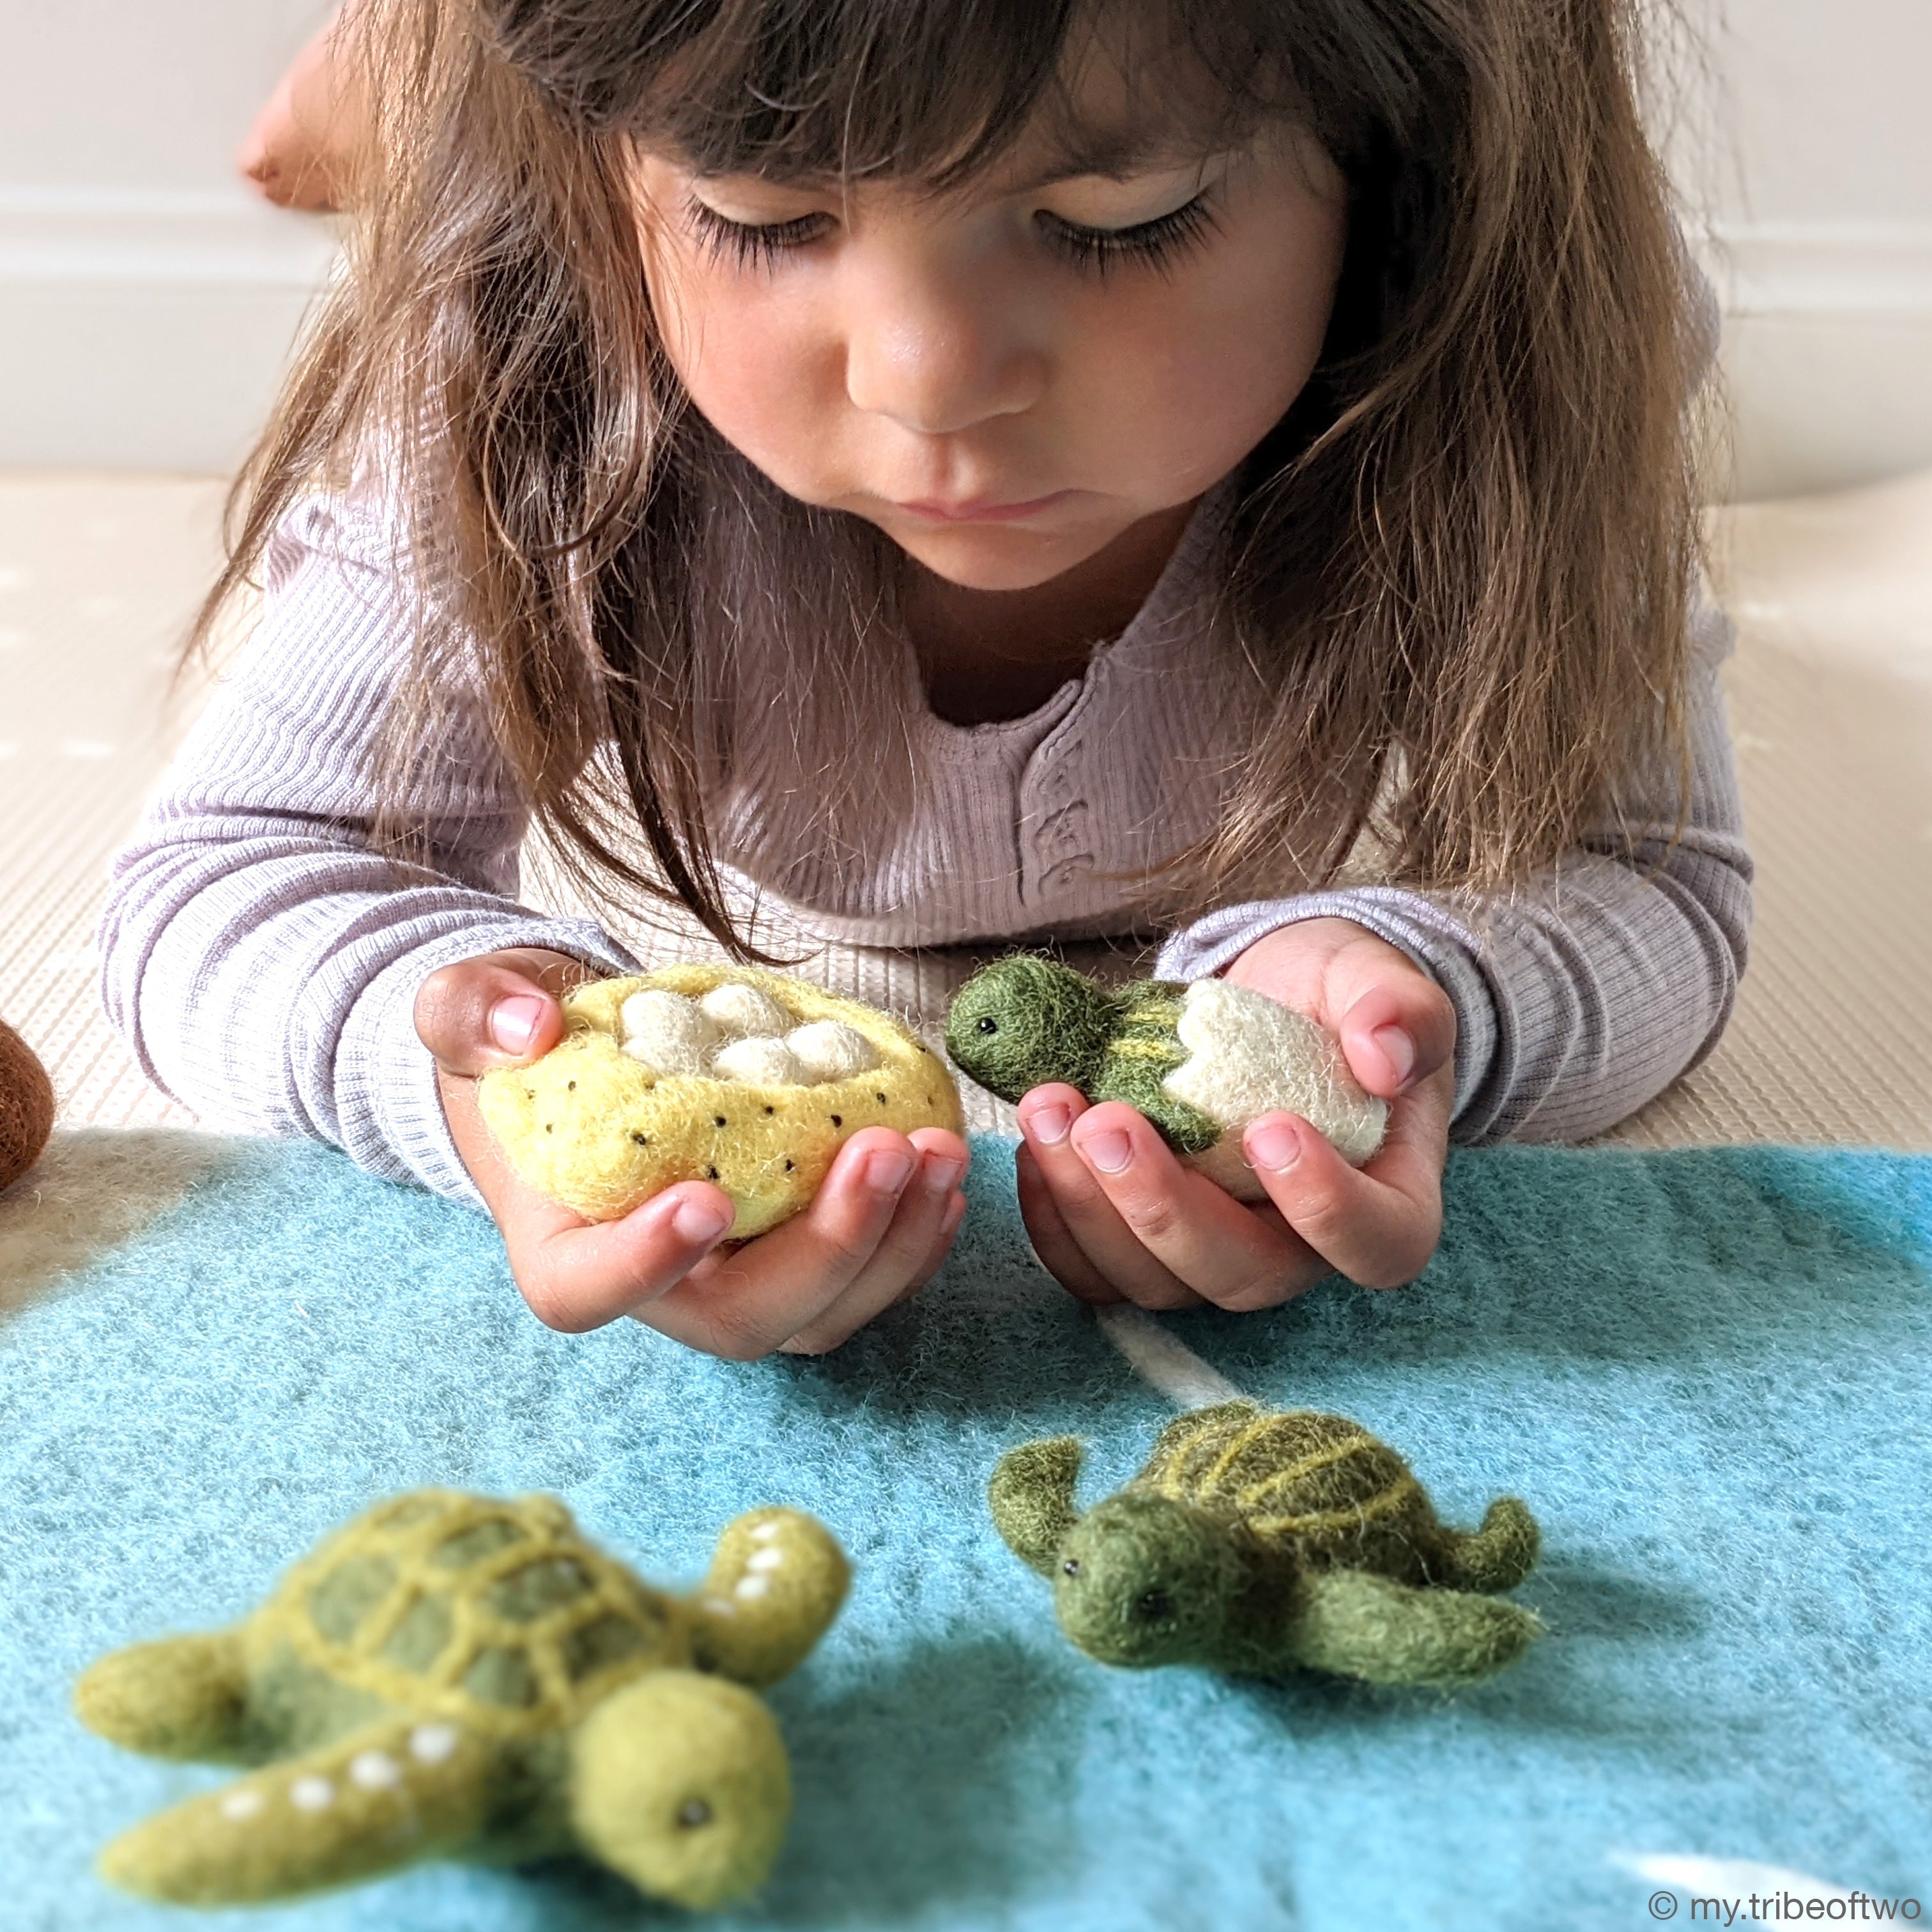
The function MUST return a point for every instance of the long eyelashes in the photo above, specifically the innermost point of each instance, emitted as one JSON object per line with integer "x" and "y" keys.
{"x": 746, "y": 245}
{"x": 1156, "y": 243}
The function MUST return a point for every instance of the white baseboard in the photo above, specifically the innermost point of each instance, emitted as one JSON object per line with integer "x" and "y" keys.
{"x": 149, "y": 331}
{"x": 1828, "y": 352}
{"x": 146, "y": 331}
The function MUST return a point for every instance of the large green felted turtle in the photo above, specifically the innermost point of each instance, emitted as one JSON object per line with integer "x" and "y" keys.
{"x": 1200, "y": 1061}
{"x": 451, "y": 1674}
{"x": 1258, "y": 1543}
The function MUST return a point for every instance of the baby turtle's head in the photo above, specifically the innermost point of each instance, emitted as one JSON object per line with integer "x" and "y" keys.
{"x": 1143, "y": 1580}
{"x": 678, "y": 1782}
{"x": 1022, "y": 1021}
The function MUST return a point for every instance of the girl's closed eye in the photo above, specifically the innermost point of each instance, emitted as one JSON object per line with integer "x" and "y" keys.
{"x": 1158, "y": 242}
{"x": 1095, "y": 245}
{"x": 751, "y": 245}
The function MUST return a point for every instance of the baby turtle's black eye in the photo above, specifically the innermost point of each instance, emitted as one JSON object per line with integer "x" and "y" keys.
{"x": 989, "y": 1025}
{"x": 1072, "y": 1566}
{"x": 1152, "y": 1606}
{"x": 693, "y": 1812}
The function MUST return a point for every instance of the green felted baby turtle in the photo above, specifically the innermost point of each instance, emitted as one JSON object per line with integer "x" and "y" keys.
{"x": 452, "y": 1675}
{"x": 1258, "y": 1544}
{"x": 1200, "y": 1061}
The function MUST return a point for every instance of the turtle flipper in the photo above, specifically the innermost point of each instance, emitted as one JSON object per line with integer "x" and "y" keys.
{"x": 1031, "y": 1498}
{"x": 1358, "y": 1624}
{"x": 1498, "y": 1556}
{"x": 373, "y": 1801}
{"x": 184, "y": 1697}
{"x": 775, "y": 1585}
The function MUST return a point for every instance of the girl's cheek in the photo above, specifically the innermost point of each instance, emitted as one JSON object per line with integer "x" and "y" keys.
{"x": 761, "y": 371}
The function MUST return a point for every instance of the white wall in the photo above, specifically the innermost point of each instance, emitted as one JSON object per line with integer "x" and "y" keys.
{"x": 1819, "y": 178}
{"x": 146, "y": 301}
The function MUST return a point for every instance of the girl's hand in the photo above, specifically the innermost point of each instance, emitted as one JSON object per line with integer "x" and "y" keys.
{"x": 879, "y": 1227}
{"x": 1116, "y": 1217}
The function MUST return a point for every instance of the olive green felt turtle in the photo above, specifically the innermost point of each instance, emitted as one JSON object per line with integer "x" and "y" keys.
{"x": 1200, "y": 1061}
{"x": 452, "y": 1675}
{"x": 704, "y": 1072}
{"x": 1257, "y": 1544}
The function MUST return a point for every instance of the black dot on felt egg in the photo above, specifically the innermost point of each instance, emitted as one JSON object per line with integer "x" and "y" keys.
{"x": 547, "y": 1128}
{"x": 711, "y": 1173}
{"x": 771, "y": 1110}
{"x": 789, "y": 1165}
{"x": 719, "y": 1121}
{"x": 880, "y": 1098}
{"x": 643, "y": 1140}
{"x": 571, "y": 1088}
{"x": 839, "y": 1120}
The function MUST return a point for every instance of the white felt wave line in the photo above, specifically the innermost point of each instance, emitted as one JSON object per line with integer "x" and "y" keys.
{"x": 1723, "y": 1878}
{"x": 1173, "y": 1368}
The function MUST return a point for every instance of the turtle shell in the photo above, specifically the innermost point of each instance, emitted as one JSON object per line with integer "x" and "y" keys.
{"x": 601, "y": 1131}
{"x": 498, "y": 1614}
{"x": 1320, "y": 1485}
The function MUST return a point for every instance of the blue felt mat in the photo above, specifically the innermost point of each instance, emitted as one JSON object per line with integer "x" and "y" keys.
{"x": 1707, "y": 1371}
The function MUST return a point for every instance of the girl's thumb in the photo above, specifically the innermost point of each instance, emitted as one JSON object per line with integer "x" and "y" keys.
{"x": 490, "y": 1011}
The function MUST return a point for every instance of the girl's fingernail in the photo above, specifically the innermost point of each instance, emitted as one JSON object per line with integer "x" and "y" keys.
{"x": 513, "y": 1022}
{"x": 1109, "y": 1152}
{"x": 1399, "y": 1047}
{"x": 887, "y": 1172}
{"x": 1049, "y": 1125}
{"x": 1276, "y": 1146}
{"x": 699, "y": 1221}
{"x": 942, "y": 1175}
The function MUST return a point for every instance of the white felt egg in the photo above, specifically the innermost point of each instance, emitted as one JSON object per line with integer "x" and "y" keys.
{"x": 831, "y": 1050}
{"x": 745, "y": 1010}
{"x": 763, "y": 1062}
{"x": 667, "y": 1033}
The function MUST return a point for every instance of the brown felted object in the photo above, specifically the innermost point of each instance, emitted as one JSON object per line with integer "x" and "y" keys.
{"x": 26, "y": 1106}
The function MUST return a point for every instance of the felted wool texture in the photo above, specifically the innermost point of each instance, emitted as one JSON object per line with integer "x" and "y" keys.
{"x": 439, "y": 1650}
{"x": 26, "y": 1106}
{"x": 1200, "y": 1061}
{"x": 1219, "y": 1552}
{"x": 1249, "y": 1055}
{"x": 1706, "y": 1368}
{"x": 602, "y": 1133}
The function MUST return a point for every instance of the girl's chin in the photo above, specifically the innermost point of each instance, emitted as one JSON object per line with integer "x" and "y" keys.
{"x": 998, "y": 556}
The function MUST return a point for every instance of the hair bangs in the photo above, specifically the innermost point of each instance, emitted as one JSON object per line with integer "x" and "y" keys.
{"x": 935, "y": 91}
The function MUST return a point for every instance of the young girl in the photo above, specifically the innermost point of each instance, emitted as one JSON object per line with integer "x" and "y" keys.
{"x": 974, "y": 471}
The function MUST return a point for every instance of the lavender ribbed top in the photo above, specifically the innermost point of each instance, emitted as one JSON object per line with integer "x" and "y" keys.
{"x": 263, "y": 962}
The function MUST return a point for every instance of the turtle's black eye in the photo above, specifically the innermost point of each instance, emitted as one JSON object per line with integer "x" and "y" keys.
{"x": 1072, "y": 1566}
{"x": 693, "y": 1812}
{"x": 989, "y": 1025}
{"x": 1153, "y": 1606}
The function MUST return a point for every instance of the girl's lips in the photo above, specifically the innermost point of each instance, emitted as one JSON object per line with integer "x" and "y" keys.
{"x": 979, "y": 510}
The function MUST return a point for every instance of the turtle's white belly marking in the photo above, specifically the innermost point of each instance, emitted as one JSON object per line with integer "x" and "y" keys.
{"x": 1248, "y": 1055}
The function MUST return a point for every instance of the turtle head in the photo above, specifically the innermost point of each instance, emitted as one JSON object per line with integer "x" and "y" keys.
{"x": 1024, "y": 1021}
{"x": 678, "y": 1783}
{"x": 1143, "y": 1580}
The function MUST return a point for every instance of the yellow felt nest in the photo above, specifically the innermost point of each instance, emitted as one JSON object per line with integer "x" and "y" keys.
{"x": 591, "y": 1127}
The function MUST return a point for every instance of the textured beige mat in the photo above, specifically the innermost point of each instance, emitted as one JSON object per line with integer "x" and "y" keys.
{"x": 1831, "y": 703}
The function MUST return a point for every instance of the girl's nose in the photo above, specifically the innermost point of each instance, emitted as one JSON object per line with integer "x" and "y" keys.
{"x": 931, "y": 352}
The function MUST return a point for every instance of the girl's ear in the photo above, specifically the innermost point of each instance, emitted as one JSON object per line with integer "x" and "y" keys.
{"x": 1031, "y": 1498}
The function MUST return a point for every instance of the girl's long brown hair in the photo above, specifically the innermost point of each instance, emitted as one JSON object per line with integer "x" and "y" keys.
{"x": 1462, "y": 565}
